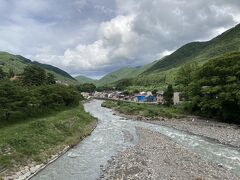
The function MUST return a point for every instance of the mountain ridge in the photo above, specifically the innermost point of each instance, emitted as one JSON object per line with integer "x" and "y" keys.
{"x": 164, "y": 70}
{"x": 228, "y": 41}
{"x": 17, "y": 63}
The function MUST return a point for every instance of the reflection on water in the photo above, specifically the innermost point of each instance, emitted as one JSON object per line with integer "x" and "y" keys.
{"x": 113, "y": 134}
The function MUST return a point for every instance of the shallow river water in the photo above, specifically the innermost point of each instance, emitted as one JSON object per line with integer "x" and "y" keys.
{"x": 83, "y": 161}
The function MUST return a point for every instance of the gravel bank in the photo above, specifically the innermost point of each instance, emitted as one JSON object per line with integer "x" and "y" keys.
{"x": 158, "y": 157}
{"x": 224, "y": 133}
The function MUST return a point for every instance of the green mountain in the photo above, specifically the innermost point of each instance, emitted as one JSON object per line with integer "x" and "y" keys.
{"x": 83, "y": 79}
{"x": 123, "y": 73}
{"x": 227, "y": 42}
{"x": 17, "y": 63}
{"x": 164, "y": 71}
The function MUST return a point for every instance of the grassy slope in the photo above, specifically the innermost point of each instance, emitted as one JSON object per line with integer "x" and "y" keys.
{"x": 17, "y": 64}
{"x": 39, "y": 138}
{"x": 145, "y": 110}
{"x": 84, "y": 79}
{"x": 126, "y": 72}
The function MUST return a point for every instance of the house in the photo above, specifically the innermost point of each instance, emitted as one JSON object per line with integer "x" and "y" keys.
{"x": 143, "y": 93}
{"x": 110, "y": 95}
{"x": 149, "y": 93}
{"x": 139, "y": 98}
{"x": 159, "y": 97}
{"x": 176, "y": 98}
{"x": 127, "y": 98}
{"x": 86, "y": 95}
{"x": 150, "y": 98}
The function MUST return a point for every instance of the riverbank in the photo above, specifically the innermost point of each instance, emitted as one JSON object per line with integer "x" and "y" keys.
{"x": 28, "y": 146}
{"x": 227, "y": 134}
{"x": 158, "y": 157}
{"x": 144, "y": 109}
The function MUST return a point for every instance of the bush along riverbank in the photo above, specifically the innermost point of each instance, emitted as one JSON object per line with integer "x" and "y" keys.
{"x": 144, "y": 110}
{"x": 26, "y": 146}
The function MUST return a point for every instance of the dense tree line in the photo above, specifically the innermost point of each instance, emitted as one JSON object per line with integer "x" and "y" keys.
{"x": 213, "y": 89}
{"x": 87, "y": 87}
{"x": 32, "y": 94}
{"x": 168, "y": 96}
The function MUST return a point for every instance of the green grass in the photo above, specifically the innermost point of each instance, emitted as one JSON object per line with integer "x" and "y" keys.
{"x": 145, "y": 110}
{"x": 37, "y": 139}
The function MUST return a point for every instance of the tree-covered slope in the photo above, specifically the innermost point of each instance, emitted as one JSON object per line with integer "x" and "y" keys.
{"x": 17, "y": 63}
{"x": 163, "y": 71}
{"x": 123, "y": 73}
{"x": 229, "y": 41}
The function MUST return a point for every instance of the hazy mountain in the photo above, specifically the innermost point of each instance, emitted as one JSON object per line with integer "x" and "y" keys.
{"x": 83, "y": 79}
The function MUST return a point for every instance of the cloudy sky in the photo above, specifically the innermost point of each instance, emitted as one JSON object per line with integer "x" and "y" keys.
{"x": 94, "y": 37}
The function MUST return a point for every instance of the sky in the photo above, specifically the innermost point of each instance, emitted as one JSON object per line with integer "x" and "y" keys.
{"x": 95, "y": 37}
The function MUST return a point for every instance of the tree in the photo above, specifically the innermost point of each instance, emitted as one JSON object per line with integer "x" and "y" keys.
{"x": 185, "y": 76}
{"x": 11, "y": 73}
{"x": 87, "y": 87}
{"x": 105, "y": 88}
{"x": 136, "y": 91}
{"x": 214, "y": 90}
{"x": 168, "y": 96}
{"x": 50, "y": 79}
{"x": 126, "y": 93}
{"x": 2, "y": 74}
{"x": 154, "y": 92}
{"x": 123, "y": 84}
{"x": 33, "y": 76}
{"x": 12, "y": 100}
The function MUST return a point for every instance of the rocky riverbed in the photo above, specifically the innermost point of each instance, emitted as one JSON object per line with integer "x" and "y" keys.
{"x": 228, "y": 134}
{"x": 158, "y": 157}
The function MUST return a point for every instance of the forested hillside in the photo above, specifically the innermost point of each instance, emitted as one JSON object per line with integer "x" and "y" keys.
{"x": 113, "y": 77}
{"x": 83, "y": 79}
{"x": 213, "y": 89}
{"x": 163, "y": 71}
{"x": 227, "y": 42}
{"x": 17, "y": 63}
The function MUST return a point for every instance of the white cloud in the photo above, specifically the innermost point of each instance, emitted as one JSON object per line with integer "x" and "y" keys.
{"x": 97, "y": 36}
{"x": 148, "y": 30}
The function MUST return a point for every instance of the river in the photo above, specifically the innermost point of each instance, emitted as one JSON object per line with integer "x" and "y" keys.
{"x": 112, "y": 136}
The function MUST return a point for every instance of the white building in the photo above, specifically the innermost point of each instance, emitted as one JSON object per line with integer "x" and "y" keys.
{"x": 176, "y": 98}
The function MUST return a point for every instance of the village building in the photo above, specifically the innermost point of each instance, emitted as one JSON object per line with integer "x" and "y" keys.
{"x": 176, "y": 98}
{"x": 86, "y": 95}
{"x": 159, "y": 97}
{"x": 139, "y": 98}
{"x": 150, "y": 98}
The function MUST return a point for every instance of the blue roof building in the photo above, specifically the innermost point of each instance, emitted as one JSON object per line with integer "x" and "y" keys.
{"x": 140, "y": 98}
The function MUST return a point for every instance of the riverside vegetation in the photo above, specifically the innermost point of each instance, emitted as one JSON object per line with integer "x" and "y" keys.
{"x": 210, "y": 90}
{"x": 38, "y": 118}
{"x": 145, "y": 110}
{"x": 206, "y": 74}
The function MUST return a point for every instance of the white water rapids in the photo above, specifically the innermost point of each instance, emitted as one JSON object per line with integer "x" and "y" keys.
{"x": 84, "y": 161}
